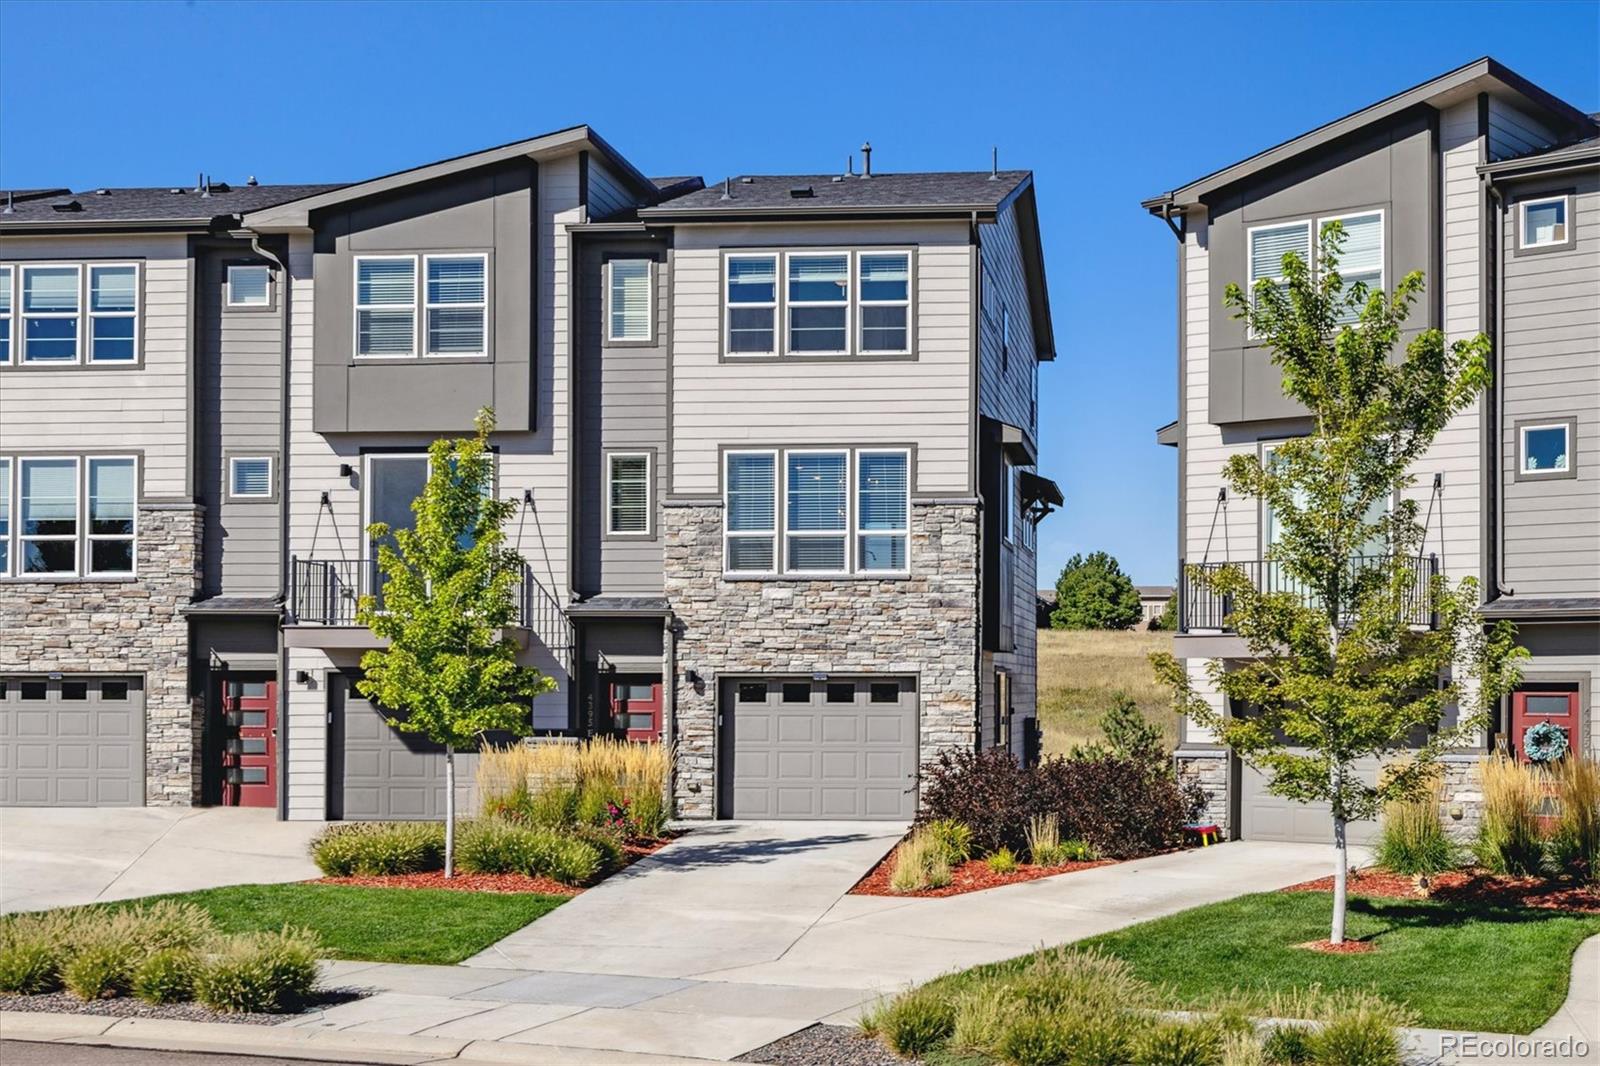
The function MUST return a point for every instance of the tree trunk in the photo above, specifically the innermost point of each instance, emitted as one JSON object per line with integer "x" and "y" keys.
{"x": 449, "y": 810}
{"x": 1339, "y": 870}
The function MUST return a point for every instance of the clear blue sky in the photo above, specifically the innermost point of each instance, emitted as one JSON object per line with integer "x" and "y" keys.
{"x": 1107, "y": 104}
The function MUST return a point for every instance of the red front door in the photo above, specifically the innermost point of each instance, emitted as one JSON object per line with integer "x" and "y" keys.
{"x": 636, "y": 708}
{"x": 1530, "y": 706}
{"x": 250, "y": 750}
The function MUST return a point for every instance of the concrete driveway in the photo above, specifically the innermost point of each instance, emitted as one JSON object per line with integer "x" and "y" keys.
{"x": 60, "y": 856}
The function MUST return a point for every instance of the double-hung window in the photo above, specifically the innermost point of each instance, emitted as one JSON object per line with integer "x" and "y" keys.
{"x": 884, "y": 289}
{"x": 457, "y": 305}
{"x": 628, "y": 494}
{"x": 113, "y": 312}
{"x": 629, "y": 309}
{"x": 752, "y": 304}
{"x": 817, "y": 512}
{"x": 50, "y": 313}
{"x": 5, "y": 517}
{"x": 1361, "y": 258}
{"x": 819, "y": 304}
{"x": 7, "y": 274}
{"x": 751, "y": 509}
{"x": 1268, "y": 246}
{"x": 882, "y": 511}
{"x": 111, "y": 489}
{"x": 47, "y": 502}
{"x": 386, "y": 306}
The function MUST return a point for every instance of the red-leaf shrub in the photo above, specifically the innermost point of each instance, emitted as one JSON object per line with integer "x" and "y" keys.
{"x": 987, "y": 791}
{"x": 1119, "y": 806}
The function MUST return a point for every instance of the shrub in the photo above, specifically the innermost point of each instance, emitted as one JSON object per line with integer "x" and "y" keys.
{"x": 607, "y": 844}
{"x": 101, "y": 969}
{"x": 1355, "y": 1038}
{"x": 495, "y": 846}
{"x": 29, "y": 966}
{"x": 1038, "y": 1040}
{"x": 1509, "y": 839}
{"x": 562, "y": 784}
{"x": 1575, "y": 843}
{"x": 982, "y": 1014}
{"x": 1117, "y": 806}
{"x": 1003, "y": 861}
{"x": 1044, "y": 838}
{"x": 1287, "y": 1045}
{"x": 166, "y": 976}
{"x": 953, "y": 838}
{"x": 260, "y": 972}
{"x": 1128, "y": 735}
{"x": 1180, "y": 1044}
{"x": 1242, "y": 1049}
{"x": 988, "y": 791}
{"x": 379, "y": 848}
{"x": 595, "y": 799}
{"x": 918, "y": 1022}
{"x": 920, "y": 862}
{"x": 1413, "y": 841}
{"x": 1094, "y": 593}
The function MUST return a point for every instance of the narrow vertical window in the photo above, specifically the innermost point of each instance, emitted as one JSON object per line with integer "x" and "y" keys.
{"x": 249, "y": 285}
{"x": 113, "y": 313}
{"x": 752, "y": 304}
{"x": 819, "y": 304}
{"x": 6, "y": 274}
{"x": 111, "y": 516}
{"x": 48, "y": 506}
{"x": 630, "y": 311}
{"x": 1361, "y": 258}
{"x": 5, "y": 517}
{"x": 50, "y": 314}
{"x": 752, "y": 512}
{"x": 1268, "y": 246}
{"x": 386, "y": 306}
{"x": 885, "y": 295}
{"x": 882, "y": 511}
{"x": 457, "y": 305}
{"x": 816, "y": 512}
{"x": 628, "y": 494}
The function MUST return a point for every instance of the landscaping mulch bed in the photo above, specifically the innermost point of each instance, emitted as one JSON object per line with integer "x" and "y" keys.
{"x": 1468, "y": 886}
{"x": 1349, "y": 947}
{"x": 459, "y": 883}
{"x": 973, "y": 875}
{"x": 824, "y": 1045}
{"x": 128, "y": 1007}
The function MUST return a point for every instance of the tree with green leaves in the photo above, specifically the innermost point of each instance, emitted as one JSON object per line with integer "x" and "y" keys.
{"x": 1340, "y": 670}
{"x": 1093, "y": 593}
{"x": 449, "y": 592}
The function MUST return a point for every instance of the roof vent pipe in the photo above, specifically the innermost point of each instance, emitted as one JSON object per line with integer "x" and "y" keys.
{"x": 727, "y": 188}
{"x": 994, "y": 163}
{"x": 207, "y": 194}
{"x": 850, "y": 165}
{"x": 199, "y": 181}
{"x": 11, "y": 208}
{"x": 866, "y": 159}
{"x": 251, "y": 181}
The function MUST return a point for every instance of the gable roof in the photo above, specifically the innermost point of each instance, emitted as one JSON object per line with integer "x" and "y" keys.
{"x": 168, "y": 208}
{"x": 1485, "y": 74}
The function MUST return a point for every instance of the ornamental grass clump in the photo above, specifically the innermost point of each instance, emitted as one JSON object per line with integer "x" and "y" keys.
{"x": 495, "y": 846}
{"x": 920, "y": 862}
{"x": 1413, "y": 841}
{"x": 260, "y": 973}
{"x": 1575, "y": 842}
{"x": 166, "y": 976}
{"x": 100, "y": 969}
{"x": 378, "y": 849}
{"x": 559, "y": 784}
{"x": 1003, "y": 861}
{"x": 1510, "y": 838}
{"x": 953, "y": 838}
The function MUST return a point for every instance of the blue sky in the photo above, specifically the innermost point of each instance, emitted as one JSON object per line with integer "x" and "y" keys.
{"x": 1108, "y": 104}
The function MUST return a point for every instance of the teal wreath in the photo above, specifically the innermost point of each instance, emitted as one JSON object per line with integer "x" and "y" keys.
{"x": 1544, "y": 742}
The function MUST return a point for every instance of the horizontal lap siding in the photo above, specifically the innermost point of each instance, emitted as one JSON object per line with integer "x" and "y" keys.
{"x": 606, "y": 194}
{"x": 1512, "y": 133}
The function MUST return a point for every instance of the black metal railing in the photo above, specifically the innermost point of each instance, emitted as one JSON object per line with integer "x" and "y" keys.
{"x": 328, "y": 591}
{"x": 1203, "y": 608}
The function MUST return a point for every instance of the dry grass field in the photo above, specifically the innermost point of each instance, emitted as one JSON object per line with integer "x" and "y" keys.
{"x": 1080, "y": 669}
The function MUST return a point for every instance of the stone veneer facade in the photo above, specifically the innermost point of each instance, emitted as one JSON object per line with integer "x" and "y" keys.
{"x": 925, "y": 625}
{"x": 125, "y": 627}
{"x": 1209, "y": 766}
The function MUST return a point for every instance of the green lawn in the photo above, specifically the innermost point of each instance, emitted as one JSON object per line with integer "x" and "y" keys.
{"x": 380, "y": 924}
{"x": 1456, "y": 966}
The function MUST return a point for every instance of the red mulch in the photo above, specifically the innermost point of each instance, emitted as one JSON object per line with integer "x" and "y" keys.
{"x": 459, "y": 883}
{"x": 973, "y": 875}
{"x": 1349, "y": 947}
{"x": 1468, "y": 886}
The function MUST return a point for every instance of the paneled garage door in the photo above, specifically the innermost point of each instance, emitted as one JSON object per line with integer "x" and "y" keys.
{"x": 843, "y": 748}
{"x": 379, "y": 773}
{"x": 76, "y": 741}
{"x": 1263, "y": 816}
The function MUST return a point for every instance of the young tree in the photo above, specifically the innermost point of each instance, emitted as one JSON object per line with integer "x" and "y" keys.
{"x": 449, "y": 591}
{"x": 1094, "y": 593}
{"x": 1340, "y": 671}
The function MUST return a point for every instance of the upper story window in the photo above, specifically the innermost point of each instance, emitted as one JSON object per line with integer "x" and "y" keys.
{"x": 819, "y": 304}
{"x": 386, "y": 306}
{"x": 629, "y": 307}
{"x": 1360, "y": 260}
{"x": 1543, "y": 222}
{"x": 457, "y": 305}
{"x": 883, "y": 511}
{"x": 249, "y": 285}
{"x": 50, "y": 321}
{"x": 66, "y": 314}
{"x": 5, "y": 517}
{"x": 1268, "y": 246}
{"x": 752, "y": 304}
{"x": 885, "y": 295}
{"x": 48, "y": 496}
{"x": 7, "y": 274}
{"x": 1545, "y": 448}
{"x": 113, "y": 313}
{"x": 628, "y": 494}
{"x": 817, "y": 511}
{"x": 830, "y": 303}
{"x": 750, "y": 487}
{"x": 250, "y": 477}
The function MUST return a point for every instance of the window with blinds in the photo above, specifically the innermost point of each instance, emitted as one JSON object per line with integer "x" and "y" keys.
{"x": 457, "y": 304}
{"x": 386, "y": 306}
{"x": 1268, "y": 246}
{"x": 113, "y": 313}
{"x": 1361, "y": 258}
{"x": 5, "y": 517}
{"x": 249, "y": 285}
{"x": 750, "y": 486}
{"x": 752, "y": 304}
{"x": 816, "y": 512}
{"x": 250, "y": 477}
{"x": 7, "y": 277}
{"x": 819, "y": 304}
{"x": 884, "y": 289}
{"x": 629, "y": 305}
{"x": 883, "y": 510}
{"x": 50, "y": 313}
{"x": 628, "y": 494}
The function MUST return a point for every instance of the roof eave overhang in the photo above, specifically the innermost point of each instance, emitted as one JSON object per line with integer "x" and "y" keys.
{"x": 90, "y": 228}
{"x": 786, "y": 213}
{"x": 1026, "y": 202}
{"x": 1534, "y": 166}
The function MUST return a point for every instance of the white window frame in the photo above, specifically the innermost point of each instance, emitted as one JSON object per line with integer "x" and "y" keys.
{"x": 357, "y": 306}
{"x": 1383, "y": 241}
{"x": 857, "y": 532}
{"x": 8, "y": 535}
{"x": 862, "y": 302}
{"x": 272, "y": 471}
{"x": 779, "y": 325}
{"x": 1522, "y": 221}
{"x": 76, "y": 536}
{"x": 1008, "y": 501}
{"x": 845, "y": 531}
{"x": 649, "y": 297}
{"x": 90, "y": 314}
{"x": 777, "y": 517}
{"x": 8, "y": 315}
{"x": 24, "y": 315}
{"x": 1522, "y": 450}
{"x": 420, "y": 322}
{"x": 649, "y": 495}
{"x": 1276, "y": 279}
{"x": 789, "y": 304}
{"x": 87, "y": 520}
{"x": 266, "y": 301}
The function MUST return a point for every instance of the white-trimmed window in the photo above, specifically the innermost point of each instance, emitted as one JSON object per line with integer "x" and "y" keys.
{"x": 250, "y": 477}
{"x": 816, "y": 512}
{"x": 818, "y": 304}
{"x": 1361, "y": 258}
{"x": 47, "y": 513}
{"x": 628, "y": 494}
{"x": 1545, "y": 449}
{"x": 630, "y": 311}
{"x": 113, "y": 312}
{"x": 7, "y": 275}
{"x": 1268, "y": 246}
{"x": 1543, "y": 222}
{"x": 752, "y": 298}
{"x": 883, "y": 511}
{"x": 5, "y": 517}
{"x": 50, "y": 313}
{"x": 883, "y": 287}
{"x": 111, "y": 488}
{"x": 457, "y": 311}
{"x": 249, "y": 285}
{"x": 750, "y": 504}
{"x": 386, "y": 306}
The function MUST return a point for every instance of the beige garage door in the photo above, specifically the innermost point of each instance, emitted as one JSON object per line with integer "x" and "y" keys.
{"x": 72, "y": 741}
{"x": 1263, "y": 816}
{"x": 796, "y": 748}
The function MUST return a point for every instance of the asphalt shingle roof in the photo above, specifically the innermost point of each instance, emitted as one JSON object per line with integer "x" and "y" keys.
{"x": 933, "y": 189}
{"x": 150, "y": 204}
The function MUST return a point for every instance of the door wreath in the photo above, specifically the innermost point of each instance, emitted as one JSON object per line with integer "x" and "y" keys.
{"x": 1544, "y": 742}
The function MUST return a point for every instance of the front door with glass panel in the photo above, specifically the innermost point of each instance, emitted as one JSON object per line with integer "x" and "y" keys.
{"x": 636, "y": 707}
{"x": 250, "y": 748}
{"x": 1556, "y": 705}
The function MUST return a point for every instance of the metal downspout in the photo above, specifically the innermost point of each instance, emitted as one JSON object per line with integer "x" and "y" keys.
{"x": 1496, "y": 392}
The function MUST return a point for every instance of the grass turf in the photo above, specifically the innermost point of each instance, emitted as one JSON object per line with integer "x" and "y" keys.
{"x": 378, "y": 924}
{"x": 1080, "y": 669}
{"x": 1457, "y": 966}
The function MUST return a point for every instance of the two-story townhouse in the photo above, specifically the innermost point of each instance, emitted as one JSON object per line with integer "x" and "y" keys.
{"x": 776, "y": 435}
{"x": 1445, "y": 178}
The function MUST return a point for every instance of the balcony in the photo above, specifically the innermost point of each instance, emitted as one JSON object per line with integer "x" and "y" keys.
{"x": 324, "y": 595}
{"x": 1201, "y": 610}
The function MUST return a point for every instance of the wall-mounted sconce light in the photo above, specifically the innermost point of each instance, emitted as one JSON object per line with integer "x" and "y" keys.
{"x": 346, "y": 470}
{"x": 691, "y": 677}
{"x": 303, "y": 676}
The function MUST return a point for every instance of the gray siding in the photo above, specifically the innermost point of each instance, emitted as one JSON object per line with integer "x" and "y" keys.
{"x": 606, "y": 194}
{"x": 1512, "y": 133}
{"x": 622, "y": 406}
